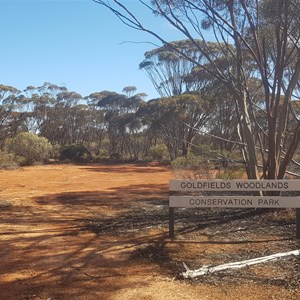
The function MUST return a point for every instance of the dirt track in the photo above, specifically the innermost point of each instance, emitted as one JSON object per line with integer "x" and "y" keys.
{"x": 100, "y": 232}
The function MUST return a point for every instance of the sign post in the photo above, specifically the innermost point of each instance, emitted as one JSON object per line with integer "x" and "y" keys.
{"x": 298, "y": 223}
{"x": 191, "y": 187}
{"x": 171, "y": 223}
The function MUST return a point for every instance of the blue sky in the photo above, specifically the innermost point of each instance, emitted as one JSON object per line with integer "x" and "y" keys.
{"x": 76, "y": 43}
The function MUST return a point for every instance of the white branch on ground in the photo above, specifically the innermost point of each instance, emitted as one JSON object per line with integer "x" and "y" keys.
{"x": 204, "y": 270}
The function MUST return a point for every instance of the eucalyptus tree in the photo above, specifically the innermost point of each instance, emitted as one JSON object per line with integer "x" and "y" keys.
{"x": 6, "y": 91}
{"x": 37, "y": 103}
{"x": 265, "y": 31}
{"x": 123, "y": 126}
{"x": 129, "y": 90}
{"x": 177, "y": 120}
{"x": 51, "y": 88}
{"x": 56, "y": 113}
{"x": 171, "y": 73}
{"x": 60, "y": 125}
{"x": 167, "y": 69}
{"x": 8, "y": 104}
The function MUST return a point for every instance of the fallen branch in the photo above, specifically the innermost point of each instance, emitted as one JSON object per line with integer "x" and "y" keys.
{"x": 191, "y": 274}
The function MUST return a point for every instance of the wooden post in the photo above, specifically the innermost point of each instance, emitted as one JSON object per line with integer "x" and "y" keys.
{"x": 298, "y": 223}
{"x": 171, "y": 223}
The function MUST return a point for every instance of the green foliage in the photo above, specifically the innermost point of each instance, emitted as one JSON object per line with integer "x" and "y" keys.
{"x": 232, "y": 155}
{"x": 115, "y": 157}
{"x": 76, "y": 153}
{"x": 159, "y": 152}
{"x": 231, "y": 174}
{"x": 7, "y": 160}
{"x": 6, "y": 89}
{"x": 30, "y": 147}
{"x": 129, "y": 90}
{"x": 188, "y": 163}
{"x": 191, "y": 167}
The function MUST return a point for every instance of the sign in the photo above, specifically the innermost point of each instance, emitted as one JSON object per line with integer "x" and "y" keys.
{"x": 234, "y": 201}
{"x": 234, "y": 185}
{"x": 240, "y": 201}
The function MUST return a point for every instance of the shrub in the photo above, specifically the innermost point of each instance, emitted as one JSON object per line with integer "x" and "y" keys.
{"x": 115, "y": 157}
{"x": 30, "y": 147}
{"x": 191, "y": 167}
{"x": 231, "y": 172}
{"x": 7, "y": 160}
{"x": 159, "y": 152}
{"x": 76, "y": 153}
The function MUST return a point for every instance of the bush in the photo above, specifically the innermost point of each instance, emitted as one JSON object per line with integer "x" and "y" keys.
{"x": 191, "y": 167}
{"x": 159, "y": 152}
{"x": 76, "y": 153}
{"x": 115, "y": 157}
{"x": 29, "y": 147}
{"x": 231, "y": 172}
{"x": 7, "y": 160}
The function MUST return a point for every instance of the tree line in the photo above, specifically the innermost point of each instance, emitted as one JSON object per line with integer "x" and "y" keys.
{"x": 109, "y": 124}
{"x": 199, "y": 120}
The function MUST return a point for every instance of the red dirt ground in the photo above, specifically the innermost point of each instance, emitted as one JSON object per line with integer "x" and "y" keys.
{"x": 100, "y": 232}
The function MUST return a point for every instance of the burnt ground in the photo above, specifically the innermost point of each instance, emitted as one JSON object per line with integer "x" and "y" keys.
{"x": 220, "y": 227}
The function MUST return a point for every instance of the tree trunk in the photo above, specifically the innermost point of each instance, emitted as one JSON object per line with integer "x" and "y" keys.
{"x": 247, "y": 136}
